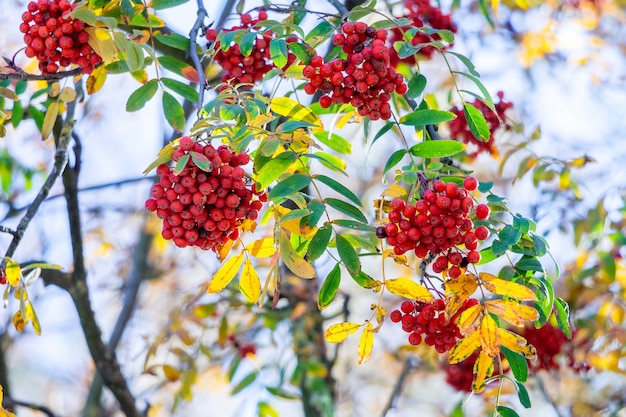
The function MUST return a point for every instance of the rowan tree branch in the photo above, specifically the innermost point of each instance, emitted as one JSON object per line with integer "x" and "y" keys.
{"x": 11, "y": 404}
{"x": 409, "y": 364}
{"x": 19, "y": 74}
{"x": 201, "y": 14}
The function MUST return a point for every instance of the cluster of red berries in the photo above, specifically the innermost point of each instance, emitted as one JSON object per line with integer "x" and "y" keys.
{"x": 421, "y": 13}
{"x": 552, "y": 344}
{"x": 56, "y": 39}
{"x": 243, "y": 349}
{"x": 460, "y": 130}
{"x": 437, "y": 224}
{"x": 247, "y": 69}
{"x": 204, "y": 208}
{"x": 427, "y": 322}
{"x": 364, "y": 79}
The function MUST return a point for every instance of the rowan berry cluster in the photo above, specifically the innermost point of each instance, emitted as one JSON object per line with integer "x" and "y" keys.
{"x": 364, "y": 79}
{"x": 251, "y": 68}
{"x": 437, "y": 225}
{"x": 427, "y": 322}
{"x": 460, "y": 130}
{"x": 204, "y": 208}
{"x": 56, "y": 39}
{"x": 421, "y": 13}
{"x": 243, "y": 349}
{"x": 551, "y": 345}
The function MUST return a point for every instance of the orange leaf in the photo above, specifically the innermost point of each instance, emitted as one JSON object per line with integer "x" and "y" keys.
{"x": 339, "y": 332}
{"x": 512, "y": 312}
{"x": 482, "y": 369}
{"x": 171, "y": 373}
{"x": 408, "y": 289}
{"x": 366, "y": 343}
{"x": 18, "y": 321}
{"x": 507, "y": 288}
{"x": 489, "y": 339}
{"x": 469, "y": 320}
{"x": 464, "y": 348}
{"x": 225, "y": 274}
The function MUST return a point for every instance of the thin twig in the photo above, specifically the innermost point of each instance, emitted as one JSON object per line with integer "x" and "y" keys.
{"x": 11, "y": 403}
{"x": 543, "y": 390}
{"x": 409, "y": 364}
{"x": 8, "y": 230}
{"x": 21, "y": 75}
{"x": 193, "y": 53}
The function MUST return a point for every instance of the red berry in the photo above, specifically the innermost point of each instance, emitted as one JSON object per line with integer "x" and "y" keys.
{"x": 482, "y": 211}
{"x": 470, "y": 183}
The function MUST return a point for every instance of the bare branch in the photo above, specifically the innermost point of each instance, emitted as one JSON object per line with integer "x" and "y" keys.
{"x": 193, "y": 36}
{"x": 409, "y": 364}
{"x": 11, "y": 403}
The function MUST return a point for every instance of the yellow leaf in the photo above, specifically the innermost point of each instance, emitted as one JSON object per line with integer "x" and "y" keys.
{"x": 68, "y": 95}
{"x": 262, "y": 248}
{"x": 223, "y": 250}
{"x": 249, "y": 282}
{"x": 512, "y": 312}
{"x": 489, "y": 339}
{"x": 494, "y": 6}
{"x": 516, "y": 343}
{"x": 366, "y": 343}
{"x": 292, "y": 259}
{"x": 291, "y": 108}
{"x": 103, "y": 44}
{"x": 408, "y": 289}
{"x": 464, "y": 348}
{"x": 13, "y": 272}
{"x": 171, "y": 373}
{"x": 343, "y": 120}
{"x": 458, "y": 290}
{"x": 225, "y": 274}
{"x": 507, "y": 288}
{"x": 49, "y": 119}
{"x": 96, "y": 80}
{"x": 55, "y": 89}
{"x": 394, "y": 191}
{"x": 469, "y": 320}
{"x": 32, "y": 317}
{"x": 482, "y": 369}
{"x": 18, "y": 321}
{"x": 399, "y": 259}
{"x": 607, "y": 362}
{"x": 339, "y": 332}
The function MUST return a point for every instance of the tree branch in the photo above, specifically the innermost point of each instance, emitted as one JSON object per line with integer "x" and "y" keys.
{"x": 11, "y": 404}
{"x": 409, "y": 364}
{"x": 60, "y": 161}
{"x": 19, "y": 74}
{"x": 193, "y": 36}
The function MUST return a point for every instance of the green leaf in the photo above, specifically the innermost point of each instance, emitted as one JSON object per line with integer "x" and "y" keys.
{"x": 348, "y": 255}
{"x": 562, "y": 316}
{"x": 365, "y": 281}
{"x": 522, "y": 394}
{"x": 330, "y": 161}
{"x": 505, "y": 411}
{"x": 346, "y": 208}
{"x": 484, "y": 187}
{"x": 174, "y": 40}
{"x": 499, "y": 248}
{"x": 174, "y": 112}
{"x": 295, "y": 214}
{"x": 292, "y": 125}
{"x": 334, "y": 142}
{"x": 517, "y": 362}
{"x": 185, "y": 90}
{"x": 317, "y": 211}
{"x": 244, "y": 383}
{"x": 150, "y": 21}
{"x": 405, "y": 49}
{"x": 509, "y": 235}
{"x": 301, "y": 51}
{"x": 319, "y": 33}
{"x": 179, "y": 67}
{"x": 466, "y": 61}
{"x": 166, "y": 4}
{"x": 290, "y": 185}
{"x": 319, "y": 242}
{"x": 329, "y": 288}
{"x": 351, "y": 224}
{"x": 437, "y": 148}
{"x": 417, "y": 84}
{"x": 427, "y": 117}
{"x": 540, "y": 245}
{"x": 279, "y": 52}
{"x": 181, "y": 164}
{"x": 338, "y": 187}
{"x": 386, "y": 128}
{"x": 527, "y": 263}
{"x": 272, "y": 169}
{"x": 201, "y": 161}
{"x": 247, "y": 43}
{"x": 394, "y": 159}
{"x": 476, "y": 122}
{"x": 142, "y": 95}
{"x": 86, "y": 15}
